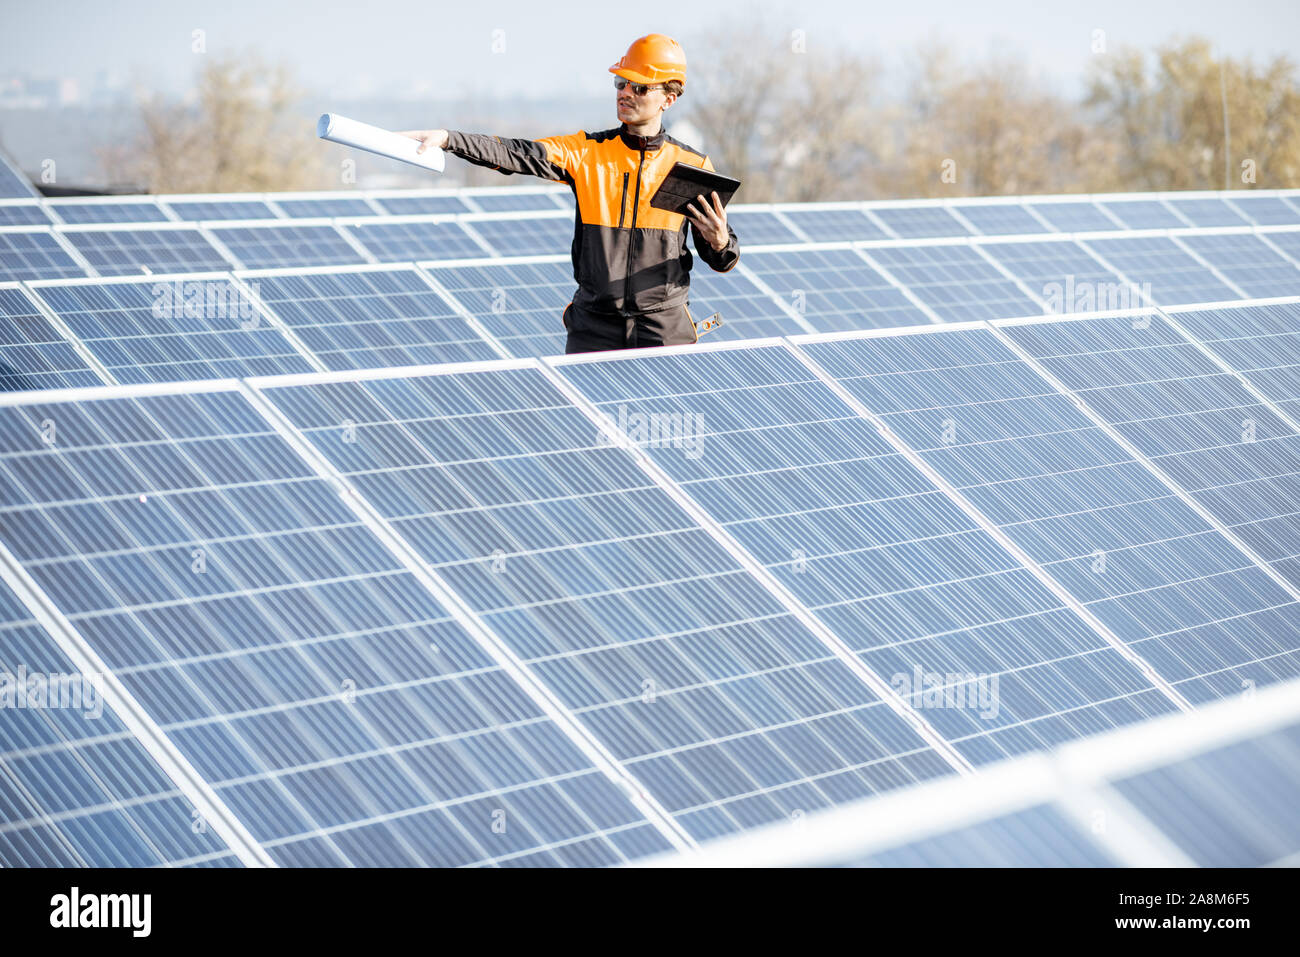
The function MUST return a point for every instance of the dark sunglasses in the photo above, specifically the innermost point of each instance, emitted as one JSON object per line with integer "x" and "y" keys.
{"x": 640, "y": 89}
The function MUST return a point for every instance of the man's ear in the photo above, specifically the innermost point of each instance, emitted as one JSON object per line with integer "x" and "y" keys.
{"x": 671, "y": 99}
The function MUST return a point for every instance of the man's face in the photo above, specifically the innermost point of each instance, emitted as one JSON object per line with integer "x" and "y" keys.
{"x": 633, "y": 109}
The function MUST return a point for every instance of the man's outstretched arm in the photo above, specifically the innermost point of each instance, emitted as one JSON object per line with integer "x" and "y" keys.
{"x": 553, "y": 158}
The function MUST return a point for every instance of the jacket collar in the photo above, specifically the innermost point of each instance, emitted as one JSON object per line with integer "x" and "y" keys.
{"x": 634, "y": 142}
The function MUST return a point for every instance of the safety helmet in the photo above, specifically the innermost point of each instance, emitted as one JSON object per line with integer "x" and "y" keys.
{"x": 652, "y": 59}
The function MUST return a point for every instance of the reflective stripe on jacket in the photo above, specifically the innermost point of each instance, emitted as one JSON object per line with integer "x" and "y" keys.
{"x": 628, "y": 257}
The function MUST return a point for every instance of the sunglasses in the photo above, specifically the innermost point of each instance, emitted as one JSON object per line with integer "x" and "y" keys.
{"x": 640, "y": 89}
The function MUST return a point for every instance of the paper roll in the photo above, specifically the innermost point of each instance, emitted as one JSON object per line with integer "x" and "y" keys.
{"x": 363, "y": 136}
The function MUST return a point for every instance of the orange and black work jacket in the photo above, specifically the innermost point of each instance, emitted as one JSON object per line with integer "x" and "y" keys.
{"x": 629, "y": 258}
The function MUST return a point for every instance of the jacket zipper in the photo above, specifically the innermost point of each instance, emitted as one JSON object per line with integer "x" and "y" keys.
{"x": 622, "y": 206}
{"x": 627, "y": 281}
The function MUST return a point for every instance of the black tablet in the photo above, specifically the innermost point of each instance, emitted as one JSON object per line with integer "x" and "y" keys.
{"x": 684, "y": 184}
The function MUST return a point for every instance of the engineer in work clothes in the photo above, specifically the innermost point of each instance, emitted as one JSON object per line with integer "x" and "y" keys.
{"x": 630, "y": 259}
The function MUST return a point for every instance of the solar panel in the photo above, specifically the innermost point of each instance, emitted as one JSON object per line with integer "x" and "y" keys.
{"x": 1144, "y": 214}
{"x": 1079, "y": 216}
{"x": 268, "y": 247}
{"x": 91, "y": 212}
{"x": 692, "y": 674}
{"x": 1065, "y": 275}
{"x": 33, "y": 354}
{"x": 310, "y": 208}
{"x": 526, "y": 237}
{"x": 832, "y": 225}
{"x": 78, "y": 788}
{"x": 417, "y": 205}
{"x": 1207, "y": 212}
{"x": 511, "y": 201}
{"x": 34, "y": 254}
{"x": 955, "y": 281}
{"x": 1157, "y": 264}
{"x": 1267, "y": 210}
{"x": 920, "y": 222}
{"x": 173, "y": 330}
{"x": 888, "y": 562}
{"x": 1286, "y": 240}
{"x": 1233, "y": 806}
{"x": 22, "y": 214}
{"x": 521, "y": 305}
{"x": 1249, "y": 262}
{"x": 365, "y": 319}
{"x": 13, "y": 184}
{"x": 747, "y": 311}
{"x": 330, "y": 701}
{"x": 204, "y": 209}
{"x": 124, "y": 252}
{"x": 415, "y": 240}
{"x": 1237, "y": 460}
{"x": 834, "y": 289}
{"x": 1261, "y": 342}
{"x": 998, "y": 219}
{"x": 1036, "y": 837}
{"x": 756, "y": 227}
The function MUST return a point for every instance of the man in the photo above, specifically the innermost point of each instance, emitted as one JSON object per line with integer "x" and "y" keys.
{"x": 629, "y": 259}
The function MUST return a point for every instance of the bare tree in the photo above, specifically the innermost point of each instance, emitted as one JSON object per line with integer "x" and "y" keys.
{"x": 243, "y": 131}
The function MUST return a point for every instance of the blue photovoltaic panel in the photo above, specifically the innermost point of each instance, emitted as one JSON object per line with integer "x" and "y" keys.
{"x": 834, "y": 289}
{"x": 1036, "y": 837}
{"x": 970, "y": 409}
{"x": 22, "y": 214}
{"x": 1156, "y": 262}
{"x": 526, "y": 237}
{"x": 371, "y": 318}
{"x": 1145, "y": 214}
{"x": 833, "y": 225}
{"x": 686, "y": 669}
{"x": 124, "y": 211}
{"x": 1234, "y": 806}
{"x": 521, "y": 305}
{"x": 1166, "y": 583}
{"x": 998, "y": 219}
{"x": 1065, "y": 275}
{"x": 123, "y": 252}
{"x": 747, "y": 311}
{"x": 269, "y": 247}
{"x": 1249, "y": 262}
{"x": 409, "y": 242}
{"x": 175, "y": 330}
{"x": 1080, "y": 216}
{"x": 13, "y": 184}
{"x": 1207, "y": 212}
{"x": 920, "y": 222}
{"x": 77, "y": 789}
{"x": 955, "y": 281}
{"x": 1260, "y": 342}
{"x": 33, "y": 354}
{"x": 196, "y": 210}
{"x": 34, "y": 255}
{"x": 1287, "y": 241}
{"x": 512, "y": 201}
{"x": 756, "y": 227}
{"x": 330, "y": 701}
{"x": 882, "y": 557}
{"x": 310, "y": 208}
{"x": 1237, "y": 460}
{"x": 418, "y": 205}
{"x": 564, "y": 200}
{"x": 1267, "y": 210}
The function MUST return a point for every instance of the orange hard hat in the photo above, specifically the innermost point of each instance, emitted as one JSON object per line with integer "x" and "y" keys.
{"x": 652, "y": 59}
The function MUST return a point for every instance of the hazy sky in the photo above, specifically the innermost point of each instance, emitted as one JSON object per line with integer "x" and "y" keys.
{"x": 553, "y": 48}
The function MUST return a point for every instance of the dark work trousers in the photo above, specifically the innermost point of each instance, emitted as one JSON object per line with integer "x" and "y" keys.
{"x": 596, "y": 332}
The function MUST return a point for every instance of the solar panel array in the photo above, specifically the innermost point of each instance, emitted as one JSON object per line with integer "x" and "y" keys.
{"x": 518, "y": 608}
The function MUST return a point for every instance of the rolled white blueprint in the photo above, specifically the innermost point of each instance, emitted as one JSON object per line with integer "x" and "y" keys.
{"x": 363, "y": 136}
